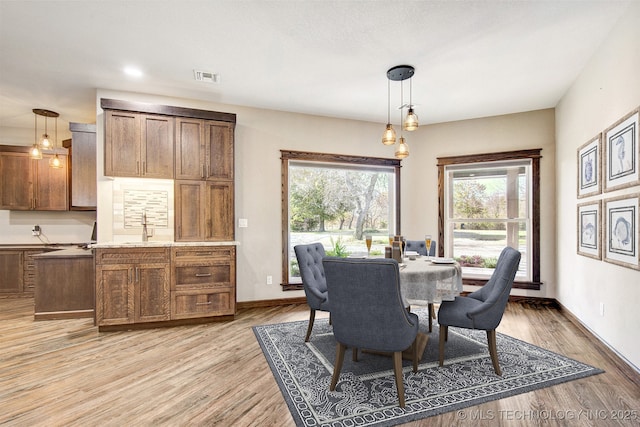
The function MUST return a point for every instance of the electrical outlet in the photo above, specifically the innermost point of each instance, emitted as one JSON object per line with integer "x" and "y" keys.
{"x": 269, "y": 280}
{"x": 601, "y": 309}
{"x": 35, "y": 230}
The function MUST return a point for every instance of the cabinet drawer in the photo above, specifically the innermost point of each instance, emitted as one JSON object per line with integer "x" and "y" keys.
{"x": 132, "y": 255}
{"x": 203, "y": 275}
{"x": 203, "y": 253}
{"x": 202, "y": 303}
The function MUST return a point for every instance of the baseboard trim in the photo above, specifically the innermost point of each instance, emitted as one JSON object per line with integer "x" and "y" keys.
{"x": 271, "y": 302}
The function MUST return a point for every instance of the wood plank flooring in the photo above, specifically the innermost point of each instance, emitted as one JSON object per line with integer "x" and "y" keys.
{"x": 66, "y": 373}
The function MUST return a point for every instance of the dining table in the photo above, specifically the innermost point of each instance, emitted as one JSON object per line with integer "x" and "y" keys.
{"x": 425, "y": 281}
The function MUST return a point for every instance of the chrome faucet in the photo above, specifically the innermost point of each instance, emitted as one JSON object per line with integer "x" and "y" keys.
{"x": 145, "y": 235}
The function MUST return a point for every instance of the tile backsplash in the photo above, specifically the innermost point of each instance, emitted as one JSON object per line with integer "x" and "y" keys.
{"x": 134, "y": 197}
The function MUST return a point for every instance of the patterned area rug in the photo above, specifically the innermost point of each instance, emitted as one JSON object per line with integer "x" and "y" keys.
{"x": 366, "y": 393}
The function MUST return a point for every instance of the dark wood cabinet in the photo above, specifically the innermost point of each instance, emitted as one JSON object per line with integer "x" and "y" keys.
{"x": 29, "y": 184}
{"x": 203, "y": 282}
{"x": 138, "y": 145}
{"x": 17, "y": 271}
{"x": 64, "y": 285}
{"x": 132, "y": 285}
{"x": 204, "y": 211}
{"x": 204, "y": 149}
{"x": 11, "y": 271}
{"x": 82, "y": 166}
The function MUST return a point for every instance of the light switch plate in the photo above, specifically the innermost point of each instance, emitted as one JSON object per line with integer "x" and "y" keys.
{"x": 243, "y": 222}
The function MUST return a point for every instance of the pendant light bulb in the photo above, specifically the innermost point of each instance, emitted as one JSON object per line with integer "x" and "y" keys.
{"x": 403, "y": 149}
{"x": 411, "y": 121}
{"x": 389, "y": 135}
{"x": 55, "y": 162}
{"x": 45, "y": 141}
{"x": 35, "y": 152}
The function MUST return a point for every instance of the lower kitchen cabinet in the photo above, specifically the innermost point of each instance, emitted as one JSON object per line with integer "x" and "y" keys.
{"x": 17, "y": 272}
{"x": 203, "y": 281}
{"x": 132, "y": 285}
{"x": 164, "y": 284}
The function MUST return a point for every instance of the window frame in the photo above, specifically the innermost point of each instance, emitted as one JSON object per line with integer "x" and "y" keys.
{"x": 288, "y": 155}
{"x": 534, "y": 156}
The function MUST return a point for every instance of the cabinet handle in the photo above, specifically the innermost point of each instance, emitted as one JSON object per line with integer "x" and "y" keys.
{"x": 144, "y": 168}
{"x": 203, "y": 274}
{"x": 137, "y": 275}
{"x": 202, "y": 172}
{"x": 204, "y": 303}
{"x": 138, "y": 167}
{"x": 129, "y": 276}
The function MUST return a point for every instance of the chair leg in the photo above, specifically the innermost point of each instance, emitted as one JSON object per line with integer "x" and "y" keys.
{"x": 397, "y": 370}
{"x": 444, "y": 330}
{"x": 312, "y": 317}
{"x": 431, "y": 316}
{"x": 338, "y": 365}
{"x": 493, "y": 351}
{"x": 354, "y": 354}
{"x": 414, "y": 348}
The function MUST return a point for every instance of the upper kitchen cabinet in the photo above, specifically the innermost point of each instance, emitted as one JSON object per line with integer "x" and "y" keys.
{"x": 29, "y": 184}
{"x": 138, "y": 145}
{"x": 204, "y": 149}
{"x": 82, "y": 166}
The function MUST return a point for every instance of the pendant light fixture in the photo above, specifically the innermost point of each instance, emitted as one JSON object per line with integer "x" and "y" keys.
{"x": 45, "y": 142}
{"x": 399, "y": 73}
{"x": 389, "y": 135}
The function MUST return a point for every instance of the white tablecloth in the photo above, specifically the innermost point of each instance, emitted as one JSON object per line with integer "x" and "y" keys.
{"x": 423, "y": 282}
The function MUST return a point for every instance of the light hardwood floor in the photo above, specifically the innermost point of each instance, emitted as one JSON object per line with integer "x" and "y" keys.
{"x": 66, "y": 373}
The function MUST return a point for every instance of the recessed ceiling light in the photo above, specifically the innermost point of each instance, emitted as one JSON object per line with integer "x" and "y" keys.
{"x": 133, "y": 71}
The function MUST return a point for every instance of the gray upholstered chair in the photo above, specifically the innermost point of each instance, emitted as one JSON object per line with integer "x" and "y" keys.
{"x": 313, "y": 280}
{"x": 368, "y": 312}
{"x": 482, "y": 309}
{"x": 421, "y": 247}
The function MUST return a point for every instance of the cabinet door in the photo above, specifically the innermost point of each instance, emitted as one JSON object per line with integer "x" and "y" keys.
{"x": 29, "y": 278}
{"x": 114, "y": 294}
{"x": 189, "y": 211}
{"x": 219, "y": 146}
{"x": 157, "y": 146}
{"x": 152, "y": 292}
{"x": 219, "y": 211}
{"x": 122, "y": 144}
{"x": 11, "y": 272}
{"x": 190, "y": 149}
{"x": 16, "y": 186}
{"x": 51, "y": 188}
{"x": 82, "y": 166}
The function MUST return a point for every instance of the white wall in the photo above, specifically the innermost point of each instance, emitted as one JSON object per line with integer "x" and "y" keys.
{"x": 607, "y": 89}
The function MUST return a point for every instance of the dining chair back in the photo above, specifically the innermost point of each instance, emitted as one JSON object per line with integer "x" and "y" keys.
{"x": 420, "y": 247}
{"x": 313, "y": 280}
{"x": 484, "y": 308}
{"x": 368, "y": 312}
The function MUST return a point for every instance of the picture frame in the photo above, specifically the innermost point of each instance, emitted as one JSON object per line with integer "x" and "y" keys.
{"x": 589, "y": 167}
{"x": 621, "y": 224}
{"x": 590, "y": 229}
{"x": 622, "y": 153}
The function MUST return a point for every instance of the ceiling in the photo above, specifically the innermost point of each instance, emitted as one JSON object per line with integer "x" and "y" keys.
{"x": 472, "y": 58}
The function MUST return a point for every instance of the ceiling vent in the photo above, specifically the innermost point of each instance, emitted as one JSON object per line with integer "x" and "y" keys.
{"x": 206, "y": 76}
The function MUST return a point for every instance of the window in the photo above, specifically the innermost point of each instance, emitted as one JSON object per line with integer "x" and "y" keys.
{"x": 336, "y": 200}
{"x": 488, "y": 202}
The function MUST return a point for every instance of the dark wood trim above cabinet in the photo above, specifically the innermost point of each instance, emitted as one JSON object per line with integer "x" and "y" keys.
{"x": 168, "y": 110}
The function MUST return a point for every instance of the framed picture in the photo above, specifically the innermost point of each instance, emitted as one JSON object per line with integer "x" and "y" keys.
{"x": 590, "y": 229}
{"x": 622, "y": 153}
{"x": 589, "y": 182}
{"x": 621, "y": 230}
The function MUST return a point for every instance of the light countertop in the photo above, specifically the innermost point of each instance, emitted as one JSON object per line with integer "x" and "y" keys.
{"x": 157, "y": 244}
